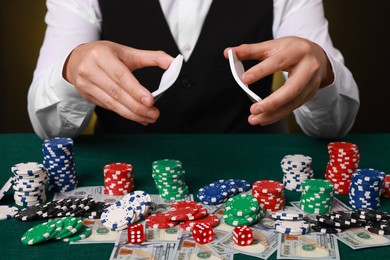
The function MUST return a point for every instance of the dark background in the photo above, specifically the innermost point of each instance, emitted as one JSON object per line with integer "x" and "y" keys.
{"x": 357, "y": 29}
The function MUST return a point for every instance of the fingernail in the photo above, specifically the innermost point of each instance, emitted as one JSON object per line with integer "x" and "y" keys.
{"x": 252, "y": 120}
{"x": 248, "y": 78}
{"x": 151, "y": 114}
{"x": 144, "y": 101}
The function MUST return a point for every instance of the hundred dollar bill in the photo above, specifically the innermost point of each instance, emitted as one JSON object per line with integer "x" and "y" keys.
{"x": 358, "y": 238}
{"x": 308, "y": 246}
{"x": 155, "y": 251}
{"x": 188, "y": 250}
{"x": 100, "y": 234}
{"x": 154, "y": 235}
{"x": 94, "y": 192}
{"x": 264, "y": 244}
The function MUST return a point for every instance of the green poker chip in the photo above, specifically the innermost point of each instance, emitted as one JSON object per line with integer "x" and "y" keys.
{"x": 71, "y": 226}
{"x": 83, "y": 233}
{"x": 39, "y": 233}
{"x": 241, "y": 205}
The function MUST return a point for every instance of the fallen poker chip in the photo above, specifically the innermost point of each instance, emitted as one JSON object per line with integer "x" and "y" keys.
{"x": 210, "y": 219}
{"x": 6, "y": 187}
{"x": 29, "y": 213}
{"x": 83, "y": 233}
{"x": 160, "y": 221}
{"x": 326, "y": 230}
{"x": 241, "y": 205}
{"x": 39, "y": 233}
{"x": 8, "y": 212}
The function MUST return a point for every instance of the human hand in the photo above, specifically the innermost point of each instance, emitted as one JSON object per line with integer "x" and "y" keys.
{"x": 308, "y": 68}
{"x": 101, "y": 73}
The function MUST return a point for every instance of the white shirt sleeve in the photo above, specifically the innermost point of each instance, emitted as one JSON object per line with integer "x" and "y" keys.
{"x": 55, "y": 107}
{"x": 332, "y": 111}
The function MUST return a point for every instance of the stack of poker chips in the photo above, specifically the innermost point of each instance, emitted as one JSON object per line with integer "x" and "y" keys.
{"x": 29, "y": 183}
{"x": 168, "y": 176}
{"x": 75, "y": 207}
{"x": 336, "y": 222}
{"x": 128, "y": 210}
{"x": 184, "y": 212}
{"x": 344, "y": 158}
{"x": 220, "y": 191}
{"x": 58, "y": 159}
{"x": 317, "y": 196}
{"x": 296, "y": 169}
{"x": 386, "y": 187}
{"x": 365, "y": 188}
{"x": 290, "y": 222}
{"x": 118, "y": 179}
{"x": 269, "y": 194}
{"x": 242, "y": 209}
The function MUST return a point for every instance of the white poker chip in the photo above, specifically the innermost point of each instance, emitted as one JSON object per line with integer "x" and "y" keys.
{"x": 117, "y": 216}
{"x": 7, "y": 212}
{"x": 287, "y": 215}
{"x": 292, "y": 227}
{"x": 6, "y": 187}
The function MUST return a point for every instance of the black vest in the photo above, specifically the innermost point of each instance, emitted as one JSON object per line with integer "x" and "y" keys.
{"x": 205, "y": 98}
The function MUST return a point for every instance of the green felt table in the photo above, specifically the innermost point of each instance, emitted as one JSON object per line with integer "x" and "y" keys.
{"x": 206, "y": 158}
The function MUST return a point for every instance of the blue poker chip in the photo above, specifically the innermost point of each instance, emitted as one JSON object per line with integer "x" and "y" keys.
{"x": 213, "y": 193}
{"x": 243, "y": 185}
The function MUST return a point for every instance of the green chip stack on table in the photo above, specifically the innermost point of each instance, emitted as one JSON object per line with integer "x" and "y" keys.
{"x": 169, "y": 178}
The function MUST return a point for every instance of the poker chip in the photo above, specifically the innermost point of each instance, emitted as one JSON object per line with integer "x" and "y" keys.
{"x": 70, "y": 226}
{"x": 269, "y": 194}
{"x": 326, "y": 230}
{"x": 292, "y": 227}
{"x": 385, "y": 187}
{"x": 344, "y": 158}
{"x": 242, "y": 204}
{"x": 287, "y": 215}
{"x": 296, "y": 169}
{"x": 168, "y": 175}
{"x": 6, "y": 187}
{"x": 210, "y": 219}
{"x": 39, "y": 233}
{"x": 7, "y": 212}
{"x": 214, "y": 193}
{"x": 82, "y": 233}
{"x": 29, "y": 183}
{"x": 160, "y": 221}
{"x": 248, "y": 220}
{"x": 365, "y": 188}
{"x": 118, "y": 216}
{"x": 317, "y": 196}
{"x": 58, "y": 160}
{"x": 118, "y": 178}
{"x": 181, "y": 214}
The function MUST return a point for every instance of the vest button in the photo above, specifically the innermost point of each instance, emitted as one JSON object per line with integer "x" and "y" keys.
{"x": 186, "y": 83}
{"x": 185, "y": 128}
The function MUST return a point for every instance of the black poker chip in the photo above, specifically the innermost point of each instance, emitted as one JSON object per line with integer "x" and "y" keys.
{"x": 326, "y": 219}
{"x": 372, "y": 215}
{"x": 327, "y": 230}
{"x": 29, "y": 213}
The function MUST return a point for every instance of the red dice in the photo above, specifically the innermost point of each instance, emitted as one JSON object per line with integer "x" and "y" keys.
{"x": 135, "y": 234}
{"x": 202, "y": 233}
{"x": 243, "y": 236}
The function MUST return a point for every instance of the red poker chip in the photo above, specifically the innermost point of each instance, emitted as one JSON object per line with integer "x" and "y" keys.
{"x": 159, "y": 221}
{"x": 343, "y": 146}
{"x": 185, "y": 204}
{"x": 210, "y": 219}
{"x": 268, "y": 186}
{"x": 118, "y": 167}
{"x": 181, "y": 214}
